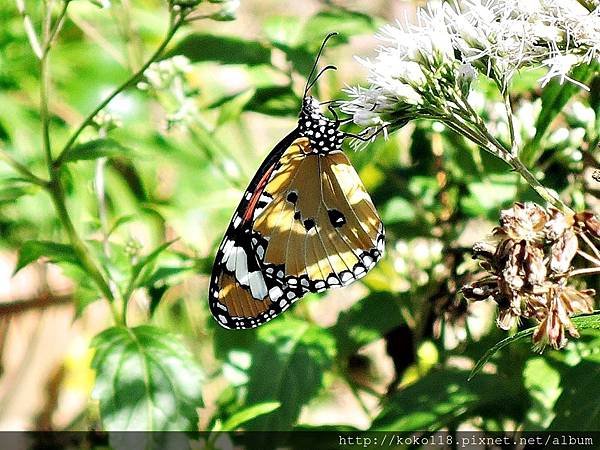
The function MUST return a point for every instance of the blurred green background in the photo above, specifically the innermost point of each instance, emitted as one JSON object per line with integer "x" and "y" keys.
{"x": 393, "y": 351}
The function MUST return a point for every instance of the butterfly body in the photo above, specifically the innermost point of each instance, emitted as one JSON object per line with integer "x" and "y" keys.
{"x": 305, "y": 224}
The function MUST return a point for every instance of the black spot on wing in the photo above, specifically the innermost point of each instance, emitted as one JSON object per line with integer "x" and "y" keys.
{"x": 336, "y": 218}
{"x": 309, "y": 224}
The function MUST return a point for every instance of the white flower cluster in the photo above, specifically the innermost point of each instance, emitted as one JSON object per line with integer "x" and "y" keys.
{"x": 424, "y": 70}
{"x": 162, "y": 74}
{"x": 503, "y": 36}
{"x": 416, "y": 63}
{"x": 167, "y": 78}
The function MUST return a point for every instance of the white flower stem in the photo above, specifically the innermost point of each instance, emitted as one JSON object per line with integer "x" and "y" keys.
{"x": 586, "y": 271}
{"x": 591, "y": 245}
{"x": 589, "y": 257}
{"x": 511, "y": 123}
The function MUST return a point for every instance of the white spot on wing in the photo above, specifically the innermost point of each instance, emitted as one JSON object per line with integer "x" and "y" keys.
{"x": 237, "y": 221}
{"x": 275, "y": 293}
{"x": 258, "y": 288}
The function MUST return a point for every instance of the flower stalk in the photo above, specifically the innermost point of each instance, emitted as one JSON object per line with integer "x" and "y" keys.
{"x": 54, "y": 185}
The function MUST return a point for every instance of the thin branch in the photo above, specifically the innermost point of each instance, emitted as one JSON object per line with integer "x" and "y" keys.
{"x": 54, "y": 186}
{"x": 57, "y": 27}
{"x": 44, "y": 86}
{"x": 43, "y": 300}
{"x": 29, "y": 29}
{"x": 511, "y": 156}
{"x": 174, "y": 25}
{"x": 97, "y": 37}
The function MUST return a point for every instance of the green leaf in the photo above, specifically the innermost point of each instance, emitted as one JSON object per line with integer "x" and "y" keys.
{"x": 156, "y": 284}
{"x": 10, "y": 193}
{"x": 222, "y": 49}
{"x": 366, "y": 321}
{"x": 288, "y": 362}
{"x": 275, "y": 101}
{"x": 232, "y": 109}
{"x": 487, "y": 196}
{"x": 151, "y": 257}
{"x": 55, "y": 252}
{"x": 445, "y": 398}
{"x": 163, "y": 273}
{"x": 283, "y": 30}
{"x": 94, "y": 149}
{"x": 346, "y": 23}
{"x": 398, "y": 209}
{"x": 542, "y": 382}
{"x": 554, "y": 97}
{"x": 146, "y": 379}
{"x": 578, "y": 407}
{"x": 122, "y": 221}
{"x": 581, "y": 322}
{"x": 248, "y": 414}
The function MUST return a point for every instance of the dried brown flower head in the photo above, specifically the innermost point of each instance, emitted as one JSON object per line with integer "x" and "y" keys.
{"x": 528, "y": 261}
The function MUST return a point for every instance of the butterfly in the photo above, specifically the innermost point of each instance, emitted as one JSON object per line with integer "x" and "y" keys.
{"x": 304, "y": 224}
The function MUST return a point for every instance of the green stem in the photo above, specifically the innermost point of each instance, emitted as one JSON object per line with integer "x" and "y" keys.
{"x": 58, "y": 199}
{"x": 57, "y": 27}
{"x": 510, "y": 157}
{"x": 44, "y": 88}
{"x": 538, "y": 187}
{"x": 175, "y": 23}
{"x": 54, "y": 186}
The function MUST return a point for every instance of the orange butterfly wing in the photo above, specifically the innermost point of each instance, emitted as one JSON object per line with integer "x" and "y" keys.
{"x": 305, "y": 224}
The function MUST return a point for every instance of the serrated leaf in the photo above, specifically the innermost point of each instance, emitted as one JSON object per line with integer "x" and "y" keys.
{"x": 223, "y": 49}
{"x": 445, "y": 398}
{"x": 580, "y": 322}
{"x": 146, "y": 379}
{"x": 288, "y": 362}
{"x": 32, "y": 250}
{"x": 94, "y": 149}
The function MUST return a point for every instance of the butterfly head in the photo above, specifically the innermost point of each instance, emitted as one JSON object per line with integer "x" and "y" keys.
{"x": 323, "y": 133}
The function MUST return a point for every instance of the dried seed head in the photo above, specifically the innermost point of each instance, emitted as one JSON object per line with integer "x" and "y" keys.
{"x": 563, "y": 251}
{"x": 524, "y": 221}
{"x": 529, "y": 264}
{"x": 588, "y": 222}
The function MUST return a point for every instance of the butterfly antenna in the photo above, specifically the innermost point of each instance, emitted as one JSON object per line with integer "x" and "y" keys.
{"x": 321, "y": 72}
{"x": 314, "y": 67}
